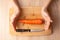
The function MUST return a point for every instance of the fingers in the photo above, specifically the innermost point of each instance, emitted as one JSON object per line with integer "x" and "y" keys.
{"x": 47, "y": 19}
{"x": 13, "y": 13}
{"x": 47, "y": 24}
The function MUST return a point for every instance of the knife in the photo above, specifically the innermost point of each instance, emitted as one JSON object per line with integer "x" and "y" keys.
{"x": 29, "y": 30}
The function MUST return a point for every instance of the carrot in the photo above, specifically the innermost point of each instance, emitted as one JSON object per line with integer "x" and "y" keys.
{"x": 31, "y": 21}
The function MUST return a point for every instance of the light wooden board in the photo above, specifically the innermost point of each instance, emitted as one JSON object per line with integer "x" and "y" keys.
{"x": 27, "y": 13}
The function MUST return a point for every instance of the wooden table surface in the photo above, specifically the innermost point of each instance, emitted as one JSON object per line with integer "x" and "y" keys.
{"x": 54, "y": 10}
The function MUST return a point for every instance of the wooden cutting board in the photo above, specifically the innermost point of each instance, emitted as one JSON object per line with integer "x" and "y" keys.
{"x": 37, "y": 10}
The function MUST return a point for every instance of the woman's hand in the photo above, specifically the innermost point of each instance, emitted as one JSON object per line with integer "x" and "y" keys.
{"x": 47, "y": 19}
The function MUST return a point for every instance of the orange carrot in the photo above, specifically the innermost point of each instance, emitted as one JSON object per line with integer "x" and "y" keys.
{"x": 31, "y": 21}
